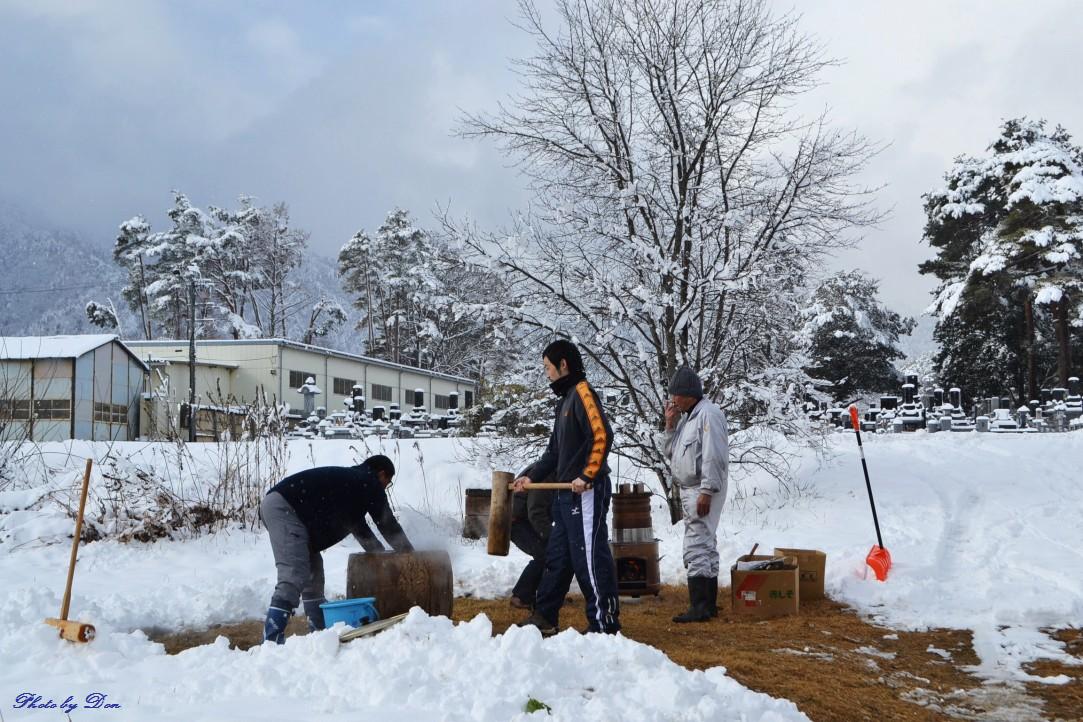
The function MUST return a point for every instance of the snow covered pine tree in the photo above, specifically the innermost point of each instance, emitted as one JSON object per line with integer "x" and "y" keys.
{"x": 854, "y": 338}
{"x": 1008, "y": 230}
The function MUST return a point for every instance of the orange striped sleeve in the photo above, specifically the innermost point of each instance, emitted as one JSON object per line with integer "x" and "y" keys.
{"x": 597, "y": 428}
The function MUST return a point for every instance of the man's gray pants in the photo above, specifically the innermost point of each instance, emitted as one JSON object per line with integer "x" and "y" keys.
{"x": 300, "y": 570}
{"x": 700, "y": 534}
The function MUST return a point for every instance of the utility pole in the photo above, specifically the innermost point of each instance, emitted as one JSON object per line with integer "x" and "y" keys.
{"x": 191, "y": 360}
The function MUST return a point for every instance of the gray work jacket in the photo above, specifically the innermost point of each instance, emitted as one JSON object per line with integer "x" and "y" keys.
{"x": 699, "y": 450}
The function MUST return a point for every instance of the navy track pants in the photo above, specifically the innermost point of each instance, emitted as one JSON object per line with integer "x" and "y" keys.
{"x": 579, "y": 547}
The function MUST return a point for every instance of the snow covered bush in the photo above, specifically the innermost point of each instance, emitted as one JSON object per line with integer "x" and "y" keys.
{"x": 144, "y": 491}
{"x": 176, "y": 490}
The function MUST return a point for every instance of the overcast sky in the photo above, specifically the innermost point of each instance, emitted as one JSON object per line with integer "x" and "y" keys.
{"x": 344, "y": 109}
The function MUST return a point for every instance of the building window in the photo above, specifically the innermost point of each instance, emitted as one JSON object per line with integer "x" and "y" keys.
{"x": 297, "y": 378}
{"x": 343, "y": 387}
{"x": 14, "y": 409}
{"x": 382, "y": 393}
{"x": 468, "y": 402}
{"x": 441, "y": 402}
{"x": 52, "y": 409}
{"x": 110, "y": 413}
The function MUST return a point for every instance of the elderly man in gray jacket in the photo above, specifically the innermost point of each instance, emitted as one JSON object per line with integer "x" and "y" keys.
{"x": 697, "y": 444}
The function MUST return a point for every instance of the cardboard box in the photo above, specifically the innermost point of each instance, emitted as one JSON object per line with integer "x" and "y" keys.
{"x": 765, "y": 594}
{"x": 811, "y": 564}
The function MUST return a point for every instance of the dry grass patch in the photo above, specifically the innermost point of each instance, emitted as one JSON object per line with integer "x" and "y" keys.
{"x": 830, "y": 662}
{"x": 1062, "y": 701}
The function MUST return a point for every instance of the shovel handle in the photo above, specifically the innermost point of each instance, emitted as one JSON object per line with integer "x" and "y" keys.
{"x": 865, "y": 469}
{"x": 75, "y": 542}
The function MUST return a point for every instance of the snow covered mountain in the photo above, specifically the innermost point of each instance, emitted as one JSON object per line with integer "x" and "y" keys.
{"x": 48, "y": 275}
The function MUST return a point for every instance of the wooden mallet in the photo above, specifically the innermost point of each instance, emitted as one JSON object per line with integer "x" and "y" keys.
{"x": 74, "y": 631}
{"x": 500, "y": 510}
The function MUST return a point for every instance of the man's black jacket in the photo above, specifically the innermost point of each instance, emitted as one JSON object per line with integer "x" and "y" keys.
{"x": 332, "y": 501}
{"x": 581, "y": 439}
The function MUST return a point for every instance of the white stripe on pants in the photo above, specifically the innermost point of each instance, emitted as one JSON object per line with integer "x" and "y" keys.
{"x": 587, "y": 506}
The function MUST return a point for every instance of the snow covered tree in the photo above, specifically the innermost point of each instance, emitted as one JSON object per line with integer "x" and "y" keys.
{"x": 394, "y": 276}
{"x": 276, "y": 250}
{"x": 129, "y": 252}
{"x": 1008, "y": 229}
{"x": 404, "y": 260}
{"x": 103, "y": 316}
{"x": 421, "y": 302}
{"x": 240, "y": 261}
{"x": 854, "y": 338}
{"x": 470, "y": 336}
{"x": 680, "y": 207}
{"x": 391, "y": 273}
{"x": 224, "y": 256}
{"x": 356, "y": 267}
{"x": 174, "y": 268}
{"x": 325, "y": 315}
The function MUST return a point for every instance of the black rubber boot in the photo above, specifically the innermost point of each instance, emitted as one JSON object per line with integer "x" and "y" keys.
{"x": 314, "y": 614}
{"x": 698, "y": 611}
{"x": 712, "y": 596}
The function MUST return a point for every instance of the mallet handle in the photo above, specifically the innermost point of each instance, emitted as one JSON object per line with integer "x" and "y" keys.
{"x": 564, "y": 486}
{"x": 75, "y": 541}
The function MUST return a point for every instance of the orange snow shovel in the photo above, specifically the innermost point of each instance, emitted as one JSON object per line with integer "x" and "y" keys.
{"x": 878, "y": 559}
{"x": 74, "y": 631}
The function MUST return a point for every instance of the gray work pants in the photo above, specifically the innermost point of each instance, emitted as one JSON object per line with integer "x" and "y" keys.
{"x": 300, "y": 569}
{"x": 700, "y": 534}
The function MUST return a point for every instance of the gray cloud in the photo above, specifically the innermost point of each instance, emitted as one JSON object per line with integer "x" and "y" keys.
{"x": 344, "y": 113}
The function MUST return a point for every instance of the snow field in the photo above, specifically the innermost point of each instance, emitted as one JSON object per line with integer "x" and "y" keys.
{"x": 983, "y": 530}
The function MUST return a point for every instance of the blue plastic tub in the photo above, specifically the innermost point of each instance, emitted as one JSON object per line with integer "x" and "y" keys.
{"x": 354, "y": 612}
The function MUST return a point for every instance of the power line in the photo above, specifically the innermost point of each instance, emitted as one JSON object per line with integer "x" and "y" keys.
{"x": 51, "y": 290}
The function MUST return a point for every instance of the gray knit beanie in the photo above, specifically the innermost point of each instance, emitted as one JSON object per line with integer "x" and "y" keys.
{"x": 685, "y": 382}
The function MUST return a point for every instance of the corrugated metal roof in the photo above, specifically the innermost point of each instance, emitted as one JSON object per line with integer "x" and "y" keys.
{"x": 21, "y": 348}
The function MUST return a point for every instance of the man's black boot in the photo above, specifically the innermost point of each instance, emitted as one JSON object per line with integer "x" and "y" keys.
{"x": 698, "y": 611}
{"x": 712, "y": 596}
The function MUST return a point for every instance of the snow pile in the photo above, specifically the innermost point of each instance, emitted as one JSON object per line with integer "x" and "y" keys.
{"x": 424, "y": 669}
{"x": 983, "y": 530}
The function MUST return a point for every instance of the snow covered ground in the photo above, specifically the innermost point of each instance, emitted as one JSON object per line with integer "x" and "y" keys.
{"x": 984, "y": 531}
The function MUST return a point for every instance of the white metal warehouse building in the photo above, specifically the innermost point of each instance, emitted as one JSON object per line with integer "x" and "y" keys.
{"x": 54, "y": 388}
{"x": 235, "y": 371}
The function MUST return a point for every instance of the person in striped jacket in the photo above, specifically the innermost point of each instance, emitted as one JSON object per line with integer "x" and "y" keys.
{"x": 579, "y": 543}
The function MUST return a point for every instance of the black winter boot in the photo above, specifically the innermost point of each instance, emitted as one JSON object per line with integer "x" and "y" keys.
{"x": 547, "y": 628}
{"x": 314, "y": 614}
{"x": 698, "y": 611}
{"x": 712, "y": 596}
